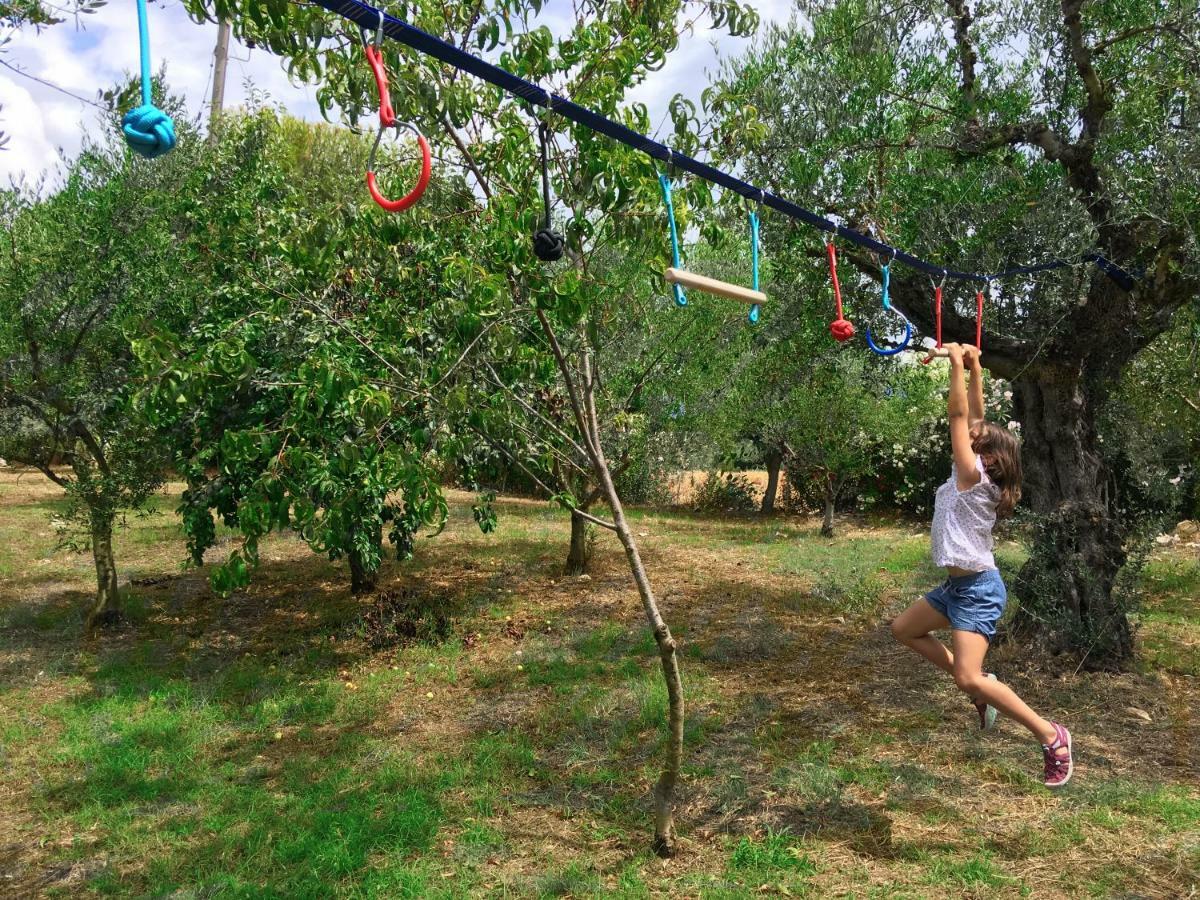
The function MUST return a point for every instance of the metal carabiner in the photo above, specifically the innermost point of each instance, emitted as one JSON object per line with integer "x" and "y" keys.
{"x": 412, "y": 196}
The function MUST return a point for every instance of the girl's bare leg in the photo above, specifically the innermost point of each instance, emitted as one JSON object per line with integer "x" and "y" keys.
{"x": 912, "y": 628}
{"x": 967, "y": 667}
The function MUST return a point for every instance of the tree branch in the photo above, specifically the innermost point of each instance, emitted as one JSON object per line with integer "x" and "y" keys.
{"x": 961, "y": 17}
{"x": 572, "y": 392}
{"x": 1098, "y": 102}
{"x": 556, "y": 496}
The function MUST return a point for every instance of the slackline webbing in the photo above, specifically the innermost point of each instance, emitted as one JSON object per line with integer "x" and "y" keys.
{"x": 368, "y": 17}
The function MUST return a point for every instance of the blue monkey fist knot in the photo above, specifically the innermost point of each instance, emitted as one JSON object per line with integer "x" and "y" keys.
{"x": 149, "y": 131}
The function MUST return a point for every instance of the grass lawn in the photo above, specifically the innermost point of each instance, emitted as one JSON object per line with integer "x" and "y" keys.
{"x": 275, "y": 744}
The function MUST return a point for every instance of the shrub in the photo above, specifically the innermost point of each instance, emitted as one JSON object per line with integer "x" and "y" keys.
{"x": 728, "y": 493}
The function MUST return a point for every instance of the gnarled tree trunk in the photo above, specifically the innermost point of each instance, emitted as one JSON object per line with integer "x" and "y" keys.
{"x": 1079, "y": 545}
{"x": 106, "y": 609}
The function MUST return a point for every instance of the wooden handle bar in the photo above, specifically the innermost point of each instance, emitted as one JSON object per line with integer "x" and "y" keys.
{"x": 940, "y": 352}
{"x": 712, "y": 286}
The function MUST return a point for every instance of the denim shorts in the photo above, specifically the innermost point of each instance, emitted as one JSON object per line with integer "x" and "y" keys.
{"x": 971, "y": 602}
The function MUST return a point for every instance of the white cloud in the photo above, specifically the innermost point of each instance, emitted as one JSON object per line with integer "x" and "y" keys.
{"x": 29, "y": 149}
{"x": 105, "y": 51}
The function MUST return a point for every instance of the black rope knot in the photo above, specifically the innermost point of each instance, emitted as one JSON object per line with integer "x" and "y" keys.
{"x": 548, "y": 245}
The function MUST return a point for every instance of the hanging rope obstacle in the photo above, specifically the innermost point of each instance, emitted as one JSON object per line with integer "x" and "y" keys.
{"x": 841, "y": 328}
{"x": 940, "y": 352}
{"x": 387, "y": 119}
{"x": 148, "y": 130}
{"x": 367, "y": 16}
{"x": 937, "y": 322}
{"x": 979, "y": 320}
{"x": 680, "y": 277}
{"x": 548, "y": 244}
{"x": 676, "y": 262}
{"x": 887, "y": 305}
{"x": 756, "y": 309}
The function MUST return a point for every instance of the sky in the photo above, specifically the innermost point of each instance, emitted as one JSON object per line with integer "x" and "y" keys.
{"x": 43, "y": 124}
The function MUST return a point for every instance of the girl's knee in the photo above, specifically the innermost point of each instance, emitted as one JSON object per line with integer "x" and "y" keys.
{"x": 968, "y": 682}
{"x": 900, "y": 633}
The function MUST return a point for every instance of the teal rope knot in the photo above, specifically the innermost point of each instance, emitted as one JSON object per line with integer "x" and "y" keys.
{"x": 149, "y": 131}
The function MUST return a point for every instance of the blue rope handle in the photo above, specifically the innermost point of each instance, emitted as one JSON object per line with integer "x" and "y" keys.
{"x": 887, "y": 304}
{"x": 755, "y": 309}
{"x": 149, "y": 131}
{"x": 665, "y": 184}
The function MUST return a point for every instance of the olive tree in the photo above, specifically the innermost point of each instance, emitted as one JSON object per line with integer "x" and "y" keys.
{"x": 80, "y": 271}
{"x": 924, "y": 126}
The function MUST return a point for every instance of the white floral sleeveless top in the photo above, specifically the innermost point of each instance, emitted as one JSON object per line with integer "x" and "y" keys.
{"x": 963, "y": 523}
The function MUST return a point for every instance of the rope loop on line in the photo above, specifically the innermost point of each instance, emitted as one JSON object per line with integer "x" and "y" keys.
{"x": 148, "y": 130}
{"x": 756, "y": 309}
{"x": 548, "y": 244}
{"x": 665, "y": 183}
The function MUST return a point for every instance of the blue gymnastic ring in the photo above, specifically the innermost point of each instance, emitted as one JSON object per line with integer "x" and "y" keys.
{"x": 883, "y": 351}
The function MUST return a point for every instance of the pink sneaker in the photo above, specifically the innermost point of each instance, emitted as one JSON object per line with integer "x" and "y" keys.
{"x": 1059, "y": 759}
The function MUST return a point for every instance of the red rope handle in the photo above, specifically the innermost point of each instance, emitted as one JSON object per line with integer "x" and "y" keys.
{"x": 979, "y": 320}
{"x": 937, "y": 320}
{"x": 840, "y": 328}
{"x": 937, "y": 313}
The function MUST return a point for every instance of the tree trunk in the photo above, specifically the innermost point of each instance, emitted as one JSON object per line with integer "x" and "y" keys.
{"x": 664, "y": 789}
{"x": 581, "y": 546}
{"x": 774, "y": 462}
{"x": 106, "y": 610}
{"x": 220, "y": 64}
{"x": 364, "y": 571}
{"x": 584, "y": 407}
{"x": 1078, "y": 546}
{"x": 830, "y": 502}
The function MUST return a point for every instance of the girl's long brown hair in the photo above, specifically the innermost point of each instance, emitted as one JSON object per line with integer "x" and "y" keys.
{"x": 1004, "y": 463}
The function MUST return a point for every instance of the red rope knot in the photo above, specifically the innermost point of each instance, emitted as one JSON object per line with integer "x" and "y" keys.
{"x": 840, "y": 328}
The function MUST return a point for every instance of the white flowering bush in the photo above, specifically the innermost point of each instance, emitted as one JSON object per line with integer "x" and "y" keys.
{"x": 913, "y": 461}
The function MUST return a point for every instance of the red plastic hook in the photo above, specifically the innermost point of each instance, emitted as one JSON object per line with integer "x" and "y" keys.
{"x": 422, "y": 182}
{"x": 387, "y": 119}
{"x": 387, "y": 116}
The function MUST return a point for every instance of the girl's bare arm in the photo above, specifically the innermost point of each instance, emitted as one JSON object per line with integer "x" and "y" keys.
{"x": 958, "y": 411}
{"x": 975, "y": 388}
